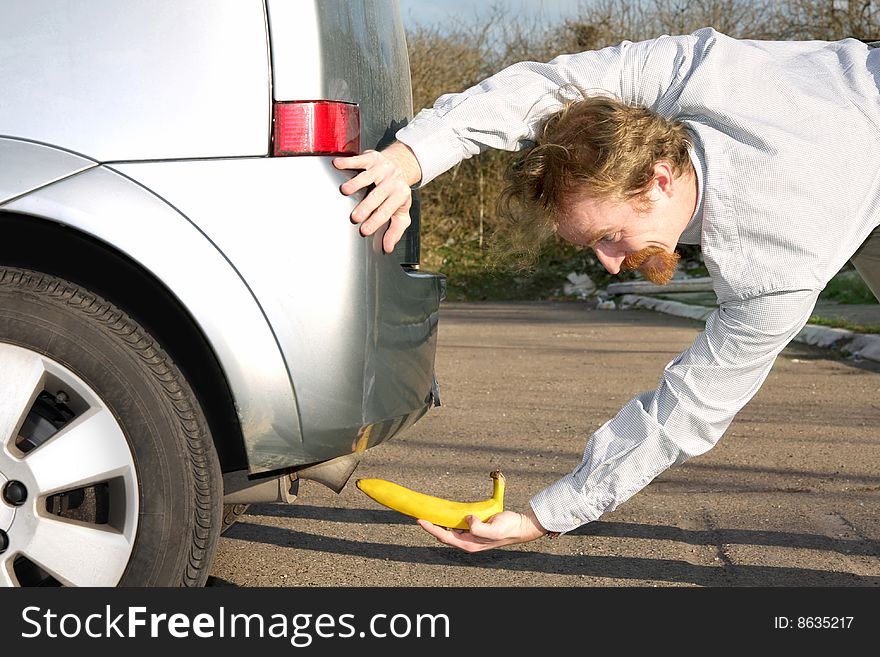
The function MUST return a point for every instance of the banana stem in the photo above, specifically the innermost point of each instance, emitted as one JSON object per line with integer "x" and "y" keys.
{"x": 497, "y": 485}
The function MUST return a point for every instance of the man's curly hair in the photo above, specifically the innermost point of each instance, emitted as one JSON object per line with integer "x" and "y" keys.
{"x": 598, "y": 147}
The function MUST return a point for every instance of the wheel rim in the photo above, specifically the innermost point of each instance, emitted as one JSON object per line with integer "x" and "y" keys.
{"x": 68, "y": 484}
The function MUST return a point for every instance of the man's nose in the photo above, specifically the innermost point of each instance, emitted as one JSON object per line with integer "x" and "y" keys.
{"x": 610, "y": 262}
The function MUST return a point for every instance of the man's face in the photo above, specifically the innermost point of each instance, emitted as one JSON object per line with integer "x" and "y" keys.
{"x": 623, "y": 237}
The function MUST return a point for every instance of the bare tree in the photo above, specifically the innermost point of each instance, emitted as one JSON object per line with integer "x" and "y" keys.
{"x": 828, "y": 19}
{"x": 606, "y": 22}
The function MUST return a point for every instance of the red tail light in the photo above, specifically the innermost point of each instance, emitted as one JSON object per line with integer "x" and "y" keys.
{"x": 320, "y": 127}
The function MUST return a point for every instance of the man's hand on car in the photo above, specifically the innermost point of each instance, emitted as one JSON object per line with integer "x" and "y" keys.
{"x": 391, "y": 172}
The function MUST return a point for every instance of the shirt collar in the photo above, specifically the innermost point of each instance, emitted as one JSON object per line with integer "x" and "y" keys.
{"x": 692, "y": 232}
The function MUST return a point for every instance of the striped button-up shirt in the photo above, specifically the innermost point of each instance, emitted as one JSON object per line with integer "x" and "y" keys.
{"x": 787, "y": 154}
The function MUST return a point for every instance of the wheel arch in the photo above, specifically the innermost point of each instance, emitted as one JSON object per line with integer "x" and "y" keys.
{"x": 83, "y": 260}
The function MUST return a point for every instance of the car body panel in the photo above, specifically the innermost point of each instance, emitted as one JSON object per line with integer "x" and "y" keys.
{"x": 356, "y": 330}
{"x": 114, "y": 209}
{"x": 28, "y": 166}
{"x": 89, "y": 87}
{"x": 295, "y": 41}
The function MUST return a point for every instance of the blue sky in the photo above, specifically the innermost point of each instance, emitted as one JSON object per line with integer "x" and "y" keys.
{"x": 436, "y": 13}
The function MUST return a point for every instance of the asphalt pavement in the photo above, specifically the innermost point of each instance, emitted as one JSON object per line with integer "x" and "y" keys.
{"x": 788, "y": 497}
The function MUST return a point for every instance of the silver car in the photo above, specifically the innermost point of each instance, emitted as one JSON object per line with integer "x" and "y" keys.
{"x": 189, "y": 321}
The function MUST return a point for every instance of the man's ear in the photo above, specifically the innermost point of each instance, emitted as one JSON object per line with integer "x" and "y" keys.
{"x": 664, "y": 178}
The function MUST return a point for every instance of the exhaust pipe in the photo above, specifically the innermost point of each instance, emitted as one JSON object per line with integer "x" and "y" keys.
{"x": 243, "y": 488}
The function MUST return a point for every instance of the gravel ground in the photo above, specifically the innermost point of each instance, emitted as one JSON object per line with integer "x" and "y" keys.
{"x": 788, "y": 497}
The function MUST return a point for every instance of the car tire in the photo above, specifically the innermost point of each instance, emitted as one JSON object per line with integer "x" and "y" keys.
{"x": 106, "y": 442}
{"x": 231, "y": 515}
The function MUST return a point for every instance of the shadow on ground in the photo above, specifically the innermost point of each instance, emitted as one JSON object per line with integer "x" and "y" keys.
{"x": 612, "y": 567}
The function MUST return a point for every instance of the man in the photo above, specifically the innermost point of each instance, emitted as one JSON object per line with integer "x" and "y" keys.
{"x": 764, "y": 153}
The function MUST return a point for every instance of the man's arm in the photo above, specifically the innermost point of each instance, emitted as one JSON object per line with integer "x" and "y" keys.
{"x": 699, "y": 394}
{"x": 507, "y": 111}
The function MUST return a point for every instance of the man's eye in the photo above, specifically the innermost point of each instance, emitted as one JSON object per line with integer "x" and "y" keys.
{"x": 609, "y": 238}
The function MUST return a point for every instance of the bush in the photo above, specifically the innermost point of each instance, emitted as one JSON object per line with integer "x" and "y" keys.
{"x": 848, "y": 287}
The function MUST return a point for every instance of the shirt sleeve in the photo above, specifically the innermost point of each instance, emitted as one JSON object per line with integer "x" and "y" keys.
{"x": 507, "y": 110}
{"x": 699, "y": 394}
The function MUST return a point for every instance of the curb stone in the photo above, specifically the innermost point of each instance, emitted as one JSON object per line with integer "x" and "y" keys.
{"x": 857, "y": 345}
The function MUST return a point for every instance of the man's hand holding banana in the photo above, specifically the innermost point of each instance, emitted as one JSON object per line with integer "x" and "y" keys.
{"x": 505, "y": 528}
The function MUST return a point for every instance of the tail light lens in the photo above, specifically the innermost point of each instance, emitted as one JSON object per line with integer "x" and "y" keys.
{"x": 320, "y": 127}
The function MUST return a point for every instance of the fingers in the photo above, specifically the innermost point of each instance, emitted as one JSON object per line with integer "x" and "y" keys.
{"x": 361, "y": 181}
{"x": 394, "y": 208}
{"x": 387, "y": 203}
{"x": 379, "y": 205}
{"x": 456, "y": 537}
{"x": 481, "y": 536}
{"x": 362, "y": 161}
{"x": 395, "y": 231}
{"x": 376, "y": 168}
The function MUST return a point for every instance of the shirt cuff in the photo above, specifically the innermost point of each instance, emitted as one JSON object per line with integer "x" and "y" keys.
{"x": 560, "y": 507}
{"x": 436, "y": 147}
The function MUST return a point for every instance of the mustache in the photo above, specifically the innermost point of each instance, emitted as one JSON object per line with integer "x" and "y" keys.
{"x": 654, "y": 263}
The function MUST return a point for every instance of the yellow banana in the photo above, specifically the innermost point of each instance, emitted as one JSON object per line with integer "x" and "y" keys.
{"x": 444, "y": 513}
